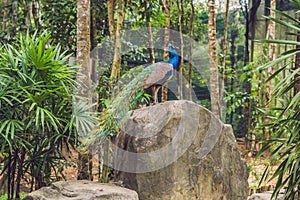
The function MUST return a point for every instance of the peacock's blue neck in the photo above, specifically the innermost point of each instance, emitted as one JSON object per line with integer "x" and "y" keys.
{"x": 174, "y": 59}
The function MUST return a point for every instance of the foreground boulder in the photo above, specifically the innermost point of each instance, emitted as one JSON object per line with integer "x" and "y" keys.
{"x": 265, "y": 196}
{"x": 82, "y": 190}
{"x": 178, "y": 150}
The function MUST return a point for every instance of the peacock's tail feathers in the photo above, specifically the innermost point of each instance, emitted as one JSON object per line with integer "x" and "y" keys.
{"x": 127, "y": 93}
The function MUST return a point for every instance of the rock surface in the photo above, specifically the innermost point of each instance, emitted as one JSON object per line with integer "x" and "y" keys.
{"x": 207, "y": 164}
{"x": 264, "y": 196}
{"x": 82, "y": 190}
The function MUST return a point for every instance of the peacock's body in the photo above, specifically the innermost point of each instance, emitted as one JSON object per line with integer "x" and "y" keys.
{"x": 154, "y": 75}
{"x": 162, "y": 72}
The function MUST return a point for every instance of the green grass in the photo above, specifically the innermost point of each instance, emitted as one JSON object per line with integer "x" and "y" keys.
{"x": 4, "y": 197}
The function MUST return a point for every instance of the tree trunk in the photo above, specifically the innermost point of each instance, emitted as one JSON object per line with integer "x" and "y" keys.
{"x": 271, "y": 56}
{"x": 28, "y": 14}
{"x": 233, "y": 63}
{"x": 150, "y": 35}
{"x": 224, "y": 53}
{"x": 181, "y": 64}
{"x": 111, "y": 21}
{"x": 213, "y": 63}
{"x": 190, "y": 51}
{"x": 246, "y": 84}
{"x": 36, "y": 13}
{"x": 83, "y": 59}
{"x": 166, "y": 8}
{"x": 250, "y": 139}
{"x": 14, "y": 17}
{"x": 116, "y": 65}
{"x": 5, "y": 16}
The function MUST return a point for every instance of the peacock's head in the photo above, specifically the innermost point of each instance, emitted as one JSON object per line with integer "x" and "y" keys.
{"x": 173, "y": 56}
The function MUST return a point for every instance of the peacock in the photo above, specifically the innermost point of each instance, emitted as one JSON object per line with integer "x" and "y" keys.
{"x": 162, "y": 72}
{"x": 155, "y": 75}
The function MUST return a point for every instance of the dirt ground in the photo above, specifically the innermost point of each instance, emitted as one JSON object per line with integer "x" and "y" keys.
{"x": 256, "y": 168}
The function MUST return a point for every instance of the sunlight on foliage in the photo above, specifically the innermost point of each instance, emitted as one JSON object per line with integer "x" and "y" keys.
{"x": 285, "y": 122}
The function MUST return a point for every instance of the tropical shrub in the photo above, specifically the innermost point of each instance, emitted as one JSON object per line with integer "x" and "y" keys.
{"x": 36, "y": 86}
{"x": 285, "y": 116}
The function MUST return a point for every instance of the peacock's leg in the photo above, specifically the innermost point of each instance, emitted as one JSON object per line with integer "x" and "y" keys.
{"x": 156, "y": 88}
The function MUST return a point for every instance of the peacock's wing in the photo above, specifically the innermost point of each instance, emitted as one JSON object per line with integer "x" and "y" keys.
{"x": 159, "y": 75}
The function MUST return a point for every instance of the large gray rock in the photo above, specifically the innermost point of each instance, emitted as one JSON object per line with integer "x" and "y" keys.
{"x": 207, "y": 164}
{"x": 265, "y": 196}
{"x": 82, "y": 190}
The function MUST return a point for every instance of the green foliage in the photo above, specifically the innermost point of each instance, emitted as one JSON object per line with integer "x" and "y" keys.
{"x": 238, "y": 99}
{"x": 4, "y": 197}
{"x": 285, "y": 122}
{"x": 59, "y": 19}
{"x": 35, "y": 108}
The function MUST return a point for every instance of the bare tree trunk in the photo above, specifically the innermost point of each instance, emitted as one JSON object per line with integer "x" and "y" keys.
{"x": 111, "y": 21}
{"x": 234, "y": 34}
{"x": 150, "y": 38}
{"x": 271, "y": 36}
{"x": 213, "y": 62}
{"x": 166, "y": 8}
{"x": 150, "y": 35}
{"x": 224, "y": 54}
{"x": 14, "y": 17}
{"x": 182, "y": 15}
{"x": 36, "y": 13}
{"x": 271, "y": 56}
{"x": 5, "y": 16}
{"x": 83, "y": 59}
{"x": 271, "y": 53}
{"x": 28, "y": 14}
{"x": 116, "y": 65}
{"x": 181, "y": 64}
{"x": 190, "y": 51}
{"x": 246, "y": 84}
